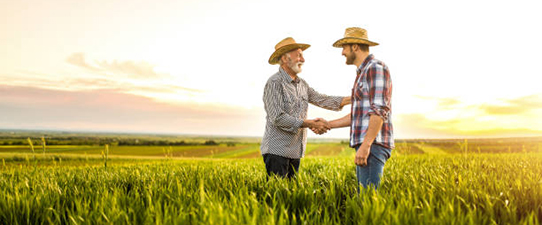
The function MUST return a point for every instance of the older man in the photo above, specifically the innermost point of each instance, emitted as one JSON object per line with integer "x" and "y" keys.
{"x": 286, "y": 97}
{"x": 371, "y": 129}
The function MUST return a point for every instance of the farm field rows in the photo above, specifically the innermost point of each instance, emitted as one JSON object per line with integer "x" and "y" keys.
{"x": 249, "y": 150}
{"x": 252, "y": 150}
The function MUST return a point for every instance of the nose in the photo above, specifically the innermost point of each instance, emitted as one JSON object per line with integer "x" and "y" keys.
{"x": 301, "y": 59}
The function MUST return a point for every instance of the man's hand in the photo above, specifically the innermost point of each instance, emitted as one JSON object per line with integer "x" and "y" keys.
{"x": 362, "y": 154}
{"x": 319, "y": 126}
{"x": 346, "y": 101}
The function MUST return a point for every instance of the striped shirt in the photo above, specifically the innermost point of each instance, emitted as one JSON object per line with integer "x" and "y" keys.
{"x": 371, "y": 95}
{"x": 286, "y": 104}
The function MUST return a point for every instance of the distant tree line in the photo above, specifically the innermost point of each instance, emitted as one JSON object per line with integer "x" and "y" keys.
{"x": 110, "y": 141}
{"x": 136, "y": 142}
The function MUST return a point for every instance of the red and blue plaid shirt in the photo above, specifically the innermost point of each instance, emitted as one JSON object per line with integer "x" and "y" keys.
{"x": 371, "y": 95}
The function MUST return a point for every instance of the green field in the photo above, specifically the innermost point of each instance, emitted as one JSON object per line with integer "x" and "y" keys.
{"x": 198, "y": 180}
{"x": 416, "y": 189}
{"x": 245, "y": 150}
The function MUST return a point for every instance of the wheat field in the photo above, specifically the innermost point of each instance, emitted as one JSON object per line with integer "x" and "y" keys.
{"x": 416, "y": 189}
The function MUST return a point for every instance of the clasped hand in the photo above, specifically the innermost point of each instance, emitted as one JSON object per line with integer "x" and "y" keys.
{"x": 319, "y": 126}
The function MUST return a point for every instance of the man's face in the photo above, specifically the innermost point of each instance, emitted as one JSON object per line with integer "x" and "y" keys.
{"x": 349, "y": 54}
{"x": 295, "y": 60}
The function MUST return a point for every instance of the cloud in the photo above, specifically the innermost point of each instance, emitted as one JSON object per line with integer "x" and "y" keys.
{"x": 442, "y": 103}
{"x": 111, "y": 110}
{"x": 417, "y": 125}
{"x": 168, "y": 89}
{"x": 78, "y": 59}
{"x": 136, "y": 70}
{"x": 123, "y": 76}
{"x": 514, "y": 106}
{"x": 502, "y": 110}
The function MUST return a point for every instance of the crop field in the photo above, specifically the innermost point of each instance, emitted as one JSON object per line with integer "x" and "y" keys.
{"x": 416, "y": 189}
{"x": 424, "y": 182}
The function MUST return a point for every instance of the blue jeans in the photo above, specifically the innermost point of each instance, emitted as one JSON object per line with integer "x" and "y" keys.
{"x": 372, "y": 172}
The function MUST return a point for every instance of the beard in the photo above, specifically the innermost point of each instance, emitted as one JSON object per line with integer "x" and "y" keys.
{"x": 296, "y": 67}
{"x": 350, "y": 58}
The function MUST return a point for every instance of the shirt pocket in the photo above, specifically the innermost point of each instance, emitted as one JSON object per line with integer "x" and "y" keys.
{"x": 357, "y": 92}
{"x": 290, "y": 104}
{"x": 304, "y": 102}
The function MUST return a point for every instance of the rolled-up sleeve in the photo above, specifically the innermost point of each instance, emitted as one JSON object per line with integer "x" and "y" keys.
{"x": 324, "y": 101}
{"x": 378, "y": 78}
{"x": 275, "y": 109}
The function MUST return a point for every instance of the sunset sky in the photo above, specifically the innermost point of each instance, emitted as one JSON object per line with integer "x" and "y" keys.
{"x": 459, "y": 68}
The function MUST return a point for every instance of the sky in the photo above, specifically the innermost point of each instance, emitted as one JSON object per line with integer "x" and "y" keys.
{"x": 459, "y": 68}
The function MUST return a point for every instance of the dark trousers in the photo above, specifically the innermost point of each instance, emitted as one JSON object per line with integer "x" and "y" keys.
{"x": 284, "y": 167}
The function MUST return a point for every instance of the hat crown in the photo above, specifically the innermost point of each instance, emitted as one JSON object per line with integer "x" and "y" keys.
{"x": 284, "y": 42}
{"x": 354, "y": 35}
{"x": 286, "y": 45}
{"x": 355, "y": 32}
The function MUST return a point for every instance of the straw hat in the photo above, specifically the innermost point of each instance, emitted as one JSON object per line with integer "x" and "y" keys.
{"x": 354, "y": 35}
{"x": 286, "y": 45}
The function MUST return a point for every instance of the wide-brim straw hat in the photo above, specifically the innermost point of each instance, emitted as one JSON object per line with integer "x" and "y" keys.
{"x": 286, "y": 45}
{"x": 354, "y": 35}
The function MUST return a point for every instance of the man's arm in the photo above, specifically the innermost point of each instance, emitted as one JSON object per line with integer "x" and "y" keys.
{"x": 335, "y": 103}
{"x": 341, "y": 122}
{"x": 274, "y": 107}
{"x": 346, "y": 101}
{"x": 375, "y": 124}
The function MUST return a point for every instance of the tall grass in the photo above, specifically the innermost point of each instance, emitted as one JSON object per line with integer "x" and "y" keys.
{"x": 416, "y": 189}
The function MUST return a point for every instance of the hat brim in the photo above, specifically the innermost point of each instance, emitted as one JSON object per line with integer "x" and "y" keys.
{"x": 274, "y": 59}
{"x": 351, "y": 40}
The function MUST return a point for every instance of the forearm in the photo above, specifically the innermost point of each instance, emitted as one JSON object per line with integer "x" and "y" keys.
{"x": 287, "y": 123}
{"x": 375, "y": 124}
{"x": 346, "y": 101}
{"x": 334, "y": 103}
{"x": 341, "y": 122}
{"x": 307, "y": 123}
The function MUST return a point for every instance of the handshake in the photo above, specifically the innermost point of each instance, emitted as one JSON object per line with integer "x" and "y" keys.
{"x": 318, "y": 125}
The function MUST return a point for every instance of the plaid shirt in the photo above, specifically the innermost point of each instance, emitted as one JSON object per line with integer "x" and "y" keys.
{"x": 371, "y": 95}
{"x": 286, "y": 102}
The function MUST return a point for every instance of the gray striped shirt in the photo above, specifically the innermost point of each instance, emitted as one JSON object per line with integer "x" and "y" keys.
{"x": 286, "y": 103}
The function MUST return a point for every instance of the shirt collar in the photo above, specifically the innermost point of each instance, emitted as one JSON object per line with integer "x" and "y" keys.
{"x": 365, "y": 62}
{"x": 287, "y": 76}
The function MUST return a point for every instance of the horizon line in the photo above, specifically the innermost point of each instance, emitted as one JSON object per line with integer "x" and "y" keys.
{"x": 232, "y": 136}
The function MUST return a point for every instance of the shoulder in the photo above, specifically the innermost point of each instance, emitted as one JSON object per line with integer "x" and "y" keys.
{"x": 302, "y": 81}
{"x": 275, "y": 78}
{"x": 377, "y": 64}
{"x": 276, "y": 81}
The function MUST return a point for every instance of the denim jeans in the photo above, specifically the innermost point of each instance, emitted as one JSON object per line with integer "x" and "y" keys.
{"x": 372, "y": 172}
{"x": 282, "y": 166}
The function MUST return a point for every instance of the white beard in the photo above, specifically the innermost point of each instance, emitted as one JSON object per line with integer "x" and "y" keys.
{"x": 296, "y": 67}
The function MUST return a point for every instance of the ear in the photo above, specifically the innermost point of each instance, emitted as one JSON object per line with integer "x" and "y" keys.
{"x": 354, "y": 47}
{"x": 284, "y": 57}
